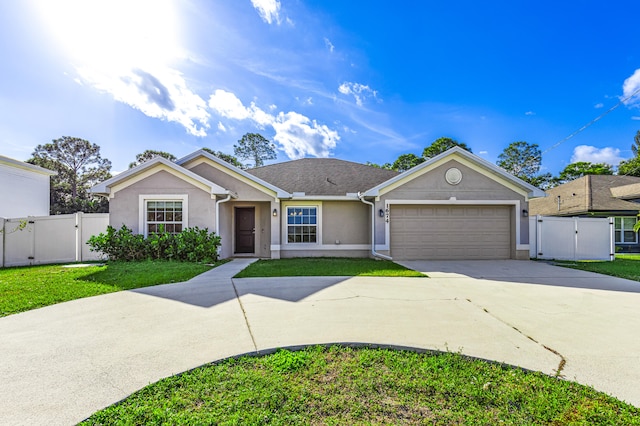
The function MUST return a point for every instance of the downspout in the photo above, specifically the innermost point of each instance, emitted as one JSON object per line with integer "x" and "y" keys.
{"x": 373, "y": 229}
{"x": 218, "y": 202}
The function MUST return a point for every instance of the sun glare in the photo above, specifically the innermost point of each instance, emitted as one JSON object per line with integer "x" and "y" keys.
{"x": 113, "y": 34}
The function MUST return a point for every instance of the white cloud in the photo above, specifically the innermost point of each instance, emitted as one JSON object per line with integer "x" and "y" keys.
{"x": 592, "y": 154}
{"x": 359, "y": 91}
{"x": 483, "y": 152}
{"x": 300, "y": 136}
{"x": 221, "y": 127}
{"x": 228, "y": 105}
{"x": 635, "y": 117}
{"x": 269, "y": 10}
{"x": 529, "y": 113}
{"x": 599, "y": 105}
{"x": 296, "y": 134}
{"x": 162, "y": 93}
{"x": 133, "y": 62}
{"x": 329, "y": 45}
{"x": 629, "y": 88}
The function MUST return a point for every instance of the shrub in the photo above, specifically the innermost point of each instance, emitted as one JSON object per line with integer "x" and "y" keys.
{"x": 191, "y": 245}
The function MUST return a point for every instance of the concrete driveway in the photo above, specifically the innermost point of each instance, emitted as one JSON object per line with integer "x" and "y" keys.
{"x": 61, "y": 363}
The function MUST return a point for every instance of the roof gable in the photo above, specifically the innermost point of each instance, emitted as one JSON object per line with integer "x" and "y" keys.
{"x": 464, "y": 157}
{"x": 148, "y": 168}
{"x": 201, "y": 156}
{"x": 323, "y": 176}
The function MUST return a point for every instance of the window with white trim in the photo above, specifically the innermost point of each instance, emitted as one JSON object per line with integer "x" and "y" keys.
{"x": 302, "y": 224}
{"x": 624, "y": 230}
{"x": 165, "y": 214}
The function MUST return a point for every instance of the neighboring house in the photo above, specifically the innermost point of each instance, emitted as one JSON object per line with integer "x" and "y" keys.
{"x": 597, "y": 196}
{"x": 453, "y": 206}
{"x": 24, "y": 189}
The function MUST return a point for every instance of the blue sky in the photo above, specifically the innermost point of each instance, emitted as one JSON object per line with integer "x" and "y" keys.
{"x": 360, "y": 81}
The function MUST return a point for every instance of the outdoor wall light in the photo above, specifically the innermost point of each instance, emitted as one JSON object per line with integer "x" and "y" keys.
{"x": 381, "y": 213}
{"x": 525, "y": 212}
{"x": 275, "y": 212}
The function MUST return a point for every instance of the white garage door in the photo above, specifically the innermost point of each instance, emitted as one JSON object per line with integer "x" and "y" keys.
{"x": 450, "y": 232}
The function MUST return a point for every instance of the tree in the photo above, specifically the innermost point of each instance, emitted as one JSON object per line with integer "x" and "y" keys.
{"x": 386, "y": 166}
{"x": 521, "y": 159}
{"x": 225, "y": 157}
{"x": 441, "y": 145}
{"x": 582, "y": 168}
{"x": 636, "y": 144}
{"x": 150, "y": 154}
{"x": 79, "y": 166}
{"x": 256, "y": 147}
{"x": 542, "y": 181}
{"x": 406, "y": 161}
{"x": 631, "y": 167}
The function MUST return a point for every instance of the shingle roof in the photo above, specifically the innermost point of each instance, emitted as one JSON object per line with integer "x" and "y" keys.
{"x": 627, "y": 191}
{"x": 593, "y": 193}
{"x": 322, "y": 176}
{"x": 602, "y": 197}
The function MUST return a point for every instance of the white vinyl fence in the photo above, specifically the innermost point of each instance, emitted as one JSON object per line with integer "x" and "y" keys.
{"x": 571, "y": 238}
{"x": 49, "y": 239}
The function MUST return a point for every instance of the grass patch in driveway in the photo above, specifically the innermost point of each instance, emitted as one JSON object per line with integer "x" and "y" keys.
{"x": 344, "y": 386}
{"x": 326, "y": 266}
{"x": 30, "y": 287}
{"x": 624, "y": 266}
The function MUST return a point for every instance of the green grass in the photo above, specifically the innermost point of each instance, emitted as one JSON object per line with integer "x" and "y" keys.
{"x": 339, "y": 386}
{"x": 326, "y": 266}
{"x": 624, "y": 266}
{"x": 31, "y": 287}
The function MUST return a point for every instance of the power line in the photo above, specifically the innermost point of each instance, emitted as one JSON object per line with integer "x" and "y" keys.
{"x": 557, "y": 144}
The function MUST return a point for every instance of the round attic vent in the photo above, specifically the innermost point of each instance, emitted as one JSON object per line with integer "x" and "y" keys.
{"x": 453, "y": 176}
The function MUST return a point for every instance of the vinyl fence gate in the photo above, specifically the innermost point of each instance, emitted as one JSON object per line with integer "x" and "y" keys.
{"x": 571, "y": 238}
{"x": 37, "y": 240}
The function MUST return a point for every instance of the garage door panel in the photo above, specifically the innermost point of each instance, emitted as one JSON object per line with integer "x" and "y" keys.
{"x": 450, "y": 232}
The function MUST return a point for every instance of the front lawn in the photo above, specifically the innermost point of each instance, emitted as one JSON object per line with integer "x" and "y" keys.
{"x": 326, "y": 266}
{"x": 30, "y": 287}
{"x": 624, "y": 266}
{"x": 344, "y": 386}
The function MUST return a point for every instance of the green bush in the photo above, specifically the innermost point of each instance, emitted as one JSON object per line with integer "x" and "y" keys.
{"x": 191, "y": 245}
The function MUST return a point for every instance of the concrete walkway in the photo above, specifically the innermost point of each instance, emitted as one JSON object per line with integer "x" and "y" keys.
{"x": 61, "y": 363}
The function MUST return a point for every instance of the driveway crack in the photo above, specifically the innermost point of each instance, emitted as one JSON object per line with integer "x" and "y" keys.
{"x": 563, "y": 360}
{"x": 246, "y": 319}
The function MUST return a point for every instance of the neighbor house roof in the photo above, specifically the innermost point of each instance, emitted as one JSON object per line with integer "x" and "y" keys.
{"x": 323, "y": 176}
{"x": 590, "y": 194}
{"x": 26, "y": 166}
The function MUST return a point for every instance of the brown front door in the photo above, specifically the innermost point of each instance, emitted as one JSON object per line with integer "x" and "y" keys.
{"x": 245, "y": 230}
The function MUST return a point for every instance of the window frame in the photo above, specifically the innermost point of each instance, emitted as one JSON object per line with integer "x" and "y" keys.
{"x": 620, "y": 230}
{"x": 144, "y": 199}
{"x": 316, "y": 225}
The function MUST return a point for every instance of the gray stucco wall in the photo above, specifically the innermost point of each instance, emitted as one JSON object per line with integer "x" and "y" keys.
{"x": 123, "y": 208}
{"x": 433, "y": 186}
{"x": 343, "y": 224}
{"x": 345, "y": 221}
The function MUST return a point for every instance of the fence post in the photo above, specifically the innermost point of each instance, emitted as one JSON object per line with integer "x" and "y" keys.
{"x": 612, "y": 239}
{"x": 78, "y": 217}
{"x": 538, "y": 236}
{"x": 2, "y": 221}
